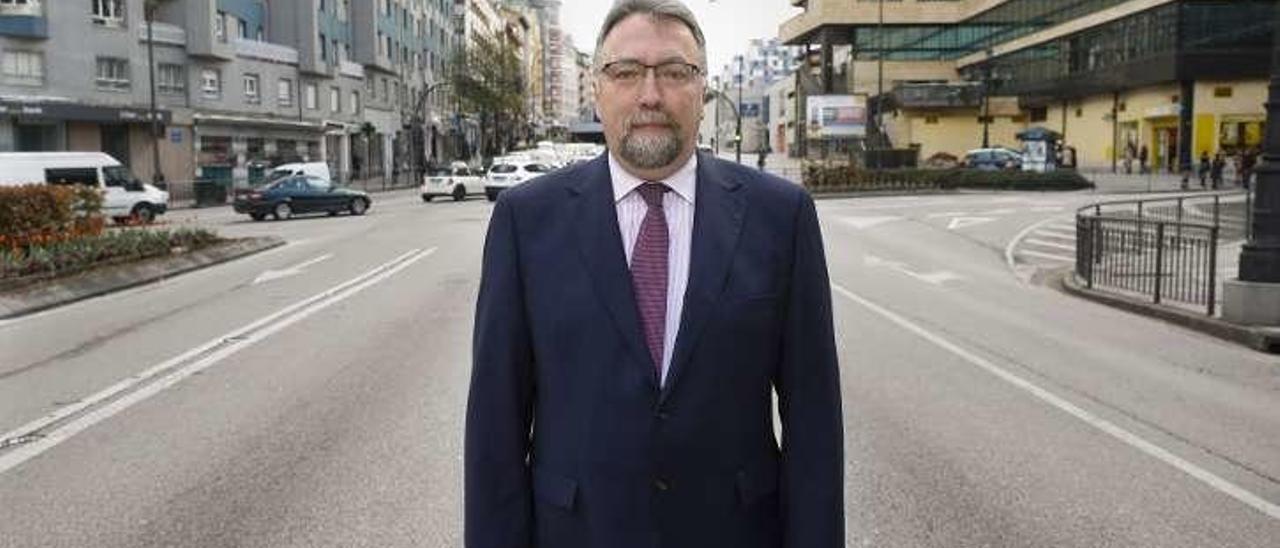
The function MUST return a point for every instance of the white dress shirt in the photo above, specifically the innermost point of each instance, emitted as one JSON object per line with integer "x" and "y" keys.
{"x": 677, "y": 205}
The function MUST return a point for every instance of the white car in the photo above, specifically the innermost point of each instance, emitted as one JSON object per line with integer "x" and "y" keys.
{"x": 508, "y": 172}
{"x": 457, "y": 182}
{"x": 124, "y": 197}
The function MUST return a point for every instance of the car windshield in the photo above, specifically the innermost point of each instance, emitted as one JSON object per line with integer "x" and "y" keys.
{"x": 437, "y": 173}
{"x": 503, "y": 168}
{"x": 536, "y": 168}
{"x": 278, "y": 174}
{"x": 116, "y": 175}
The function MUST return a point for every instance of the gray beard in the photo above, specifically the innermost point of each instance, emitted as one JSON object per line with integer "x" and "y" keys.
{"x": 651, "y": 152}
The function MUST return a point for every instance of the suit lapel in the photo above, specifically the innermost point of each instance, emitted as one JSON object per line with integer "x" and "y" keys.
{"x": 600, "y": 244}
{"x": 717, "y": 222}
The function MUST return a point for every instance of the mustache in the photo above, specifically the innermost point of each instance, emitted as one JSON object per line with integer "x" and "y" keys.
{"x": 650, "y": 118}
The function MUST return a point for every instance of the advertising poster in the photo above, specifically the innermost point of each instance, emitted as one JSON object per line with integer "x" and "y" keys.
{"x": 833, "y": 116}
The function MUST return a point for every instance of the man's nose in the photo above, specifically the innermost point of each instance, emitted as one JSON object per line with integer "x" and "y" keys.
{"x": 649, "y": 92}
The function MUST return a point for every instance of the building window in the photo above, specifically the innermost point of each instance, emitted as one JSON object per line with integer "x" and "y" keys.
{"x": 1039, "y": 114}
{"x": 1222, "y": 92}
{"x": 251, "y": 93}
{"x": 242, "y": 29}
{"x": 108, "y": 12}
{"x": 171, "y": 78}
{"x": 112, "y": 73}
{"x": 312, "y": 98}
{"x": 21, "y": 7}
{"x": 335, "y": 100}
{"x": 324, "y": 48}
{"x": 211, "y": 83}
{"x": 930, "y": 120}
{"x": 23, "y": 68}
{"x": 355, "y": 102}
{"x": 1079, "y": 113}
{"x": 220, "y": 26}
{"x": 284, "y": 92}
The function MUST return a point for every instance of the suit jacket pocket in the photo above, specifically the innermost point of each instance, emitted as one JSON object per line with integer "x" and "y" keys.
{"x": 553, "y": 489}
{"x": 757, "y": 480}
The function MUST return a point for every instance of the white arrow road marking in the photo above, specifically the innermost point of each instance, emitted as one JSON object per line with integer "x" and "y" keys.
{"x": 964, "y": 222}
{"x": 1152, "y": 450}
{"x": 291, "y": 271}
{"x": 935, "y": 278}
{"x": 867, "y": 222}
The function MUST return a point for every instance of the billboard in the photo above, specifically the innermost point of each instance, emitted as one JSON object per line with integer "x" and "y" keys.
{"x": 837, "y": 116}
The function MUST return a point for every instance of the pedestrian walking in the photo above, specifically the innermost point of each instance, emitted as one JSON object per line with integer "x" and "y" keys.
{"x": 1130, "y": 151}
{"x": 1142, "y": 159}
{"x": 1247, "y": 161}
{"x": 763, "y": 154}
{"x": 1215, "y": 171}
{"x": 635, "y": 315}
{"x": 1204, "y": 168}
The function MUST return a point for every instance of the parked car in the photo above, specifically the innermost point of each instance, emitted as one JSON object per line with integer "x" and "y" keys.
{"x": 124, "y": 197}
{"x": 508, "y": 172}
{"x": 285, "y": 197}
{"x": 457, "y": 181}
{"x": 992, "y": 159}
{"x": 314, "y": 169}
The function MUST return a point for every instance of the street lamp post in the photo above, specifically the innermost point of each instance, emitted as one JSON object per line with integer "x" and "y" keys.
{"x": 1254, "y": 298}
{"x": 157, "y": 175}
{"x": 737, "y": 136}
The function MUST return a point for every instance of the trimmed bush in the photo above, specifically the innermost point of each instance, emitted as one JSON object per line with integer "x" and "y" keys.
{"x": 45, "y": 214}
{"x": 822, "y": 179}
{"x": 75, "y": 255}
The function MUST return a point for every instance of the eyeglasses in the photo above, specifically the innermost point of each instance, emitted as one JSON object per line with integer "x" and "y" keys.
{"x": 670, "y": 73}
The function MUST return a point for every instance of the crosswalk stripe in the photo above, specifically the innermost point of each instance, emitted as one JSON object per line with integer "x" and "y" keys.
{"x": 1050, "y": 244}
{"x": 1050, "y": 256}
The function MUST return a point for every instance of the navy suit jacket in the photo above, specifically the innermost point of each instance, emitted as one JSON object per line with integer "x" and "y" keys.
{"x": 570, "y": 441}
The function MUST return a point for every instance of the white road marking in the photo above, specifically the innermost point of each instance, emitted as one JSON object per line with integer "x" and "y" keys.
{"x": 291, "y": 271}
{"x": 1025, "y": 272}
{"x": 946, "y": 214}
{"x": 867, "y": 222}
{"x": 174, "y": 370}
{"x": 1063, "y": 226}
{"x": 1054, "y": 245}
{"x": 934, "y": 278}
{"x": 1046, "y": 209}
{"x": 965, "y": 222}
{"x": 1057, "y": 235}
{"x": 1004, "y": 211}
{"x": 1049, "y": 256}
{"x": 1212, "y": 480}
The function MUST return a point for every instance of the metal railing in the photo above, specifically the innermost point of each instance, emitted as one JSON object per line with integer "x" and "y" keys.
{"x": 1164, "y": 249}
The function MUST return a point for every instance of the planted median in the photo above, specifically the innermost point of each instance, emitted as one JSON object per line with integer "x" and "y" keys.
{"x": 844, "y": 179}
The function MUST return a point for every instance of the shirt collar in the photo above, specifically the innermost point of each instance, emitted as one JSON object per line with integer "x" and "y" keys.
{"x": 682, "y": 182}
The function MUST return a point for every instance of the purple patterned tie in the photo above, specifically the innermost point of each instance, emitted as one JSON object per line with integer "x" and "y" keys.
{"x": 649, "y": 271}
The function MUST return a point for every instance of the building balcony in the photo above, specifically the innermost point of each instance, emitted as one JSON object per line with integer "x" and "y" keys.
{"x": 164, "y": 33}
{"x": 24, "y": 20}
{"x": 960, "y": 95}
{"x": 348, "y": 68}
{"x": 265, "y": 51}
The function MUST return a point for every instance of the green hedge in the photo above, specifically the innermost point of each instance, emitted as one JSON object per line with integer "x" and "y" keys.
{"x": 42, "y": 214}
{"x": 821, "y": 179}
{"x": 116, "y": 246}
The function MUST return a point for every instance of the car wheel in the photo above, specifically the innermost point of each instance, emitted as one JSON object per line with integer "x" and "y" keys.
{"x": 282, "y": 211}
{"x": 359, "y": 206}
{"x": 459, "y": 193}
{"x": 257, "y": 216}
{"x": 143, "y": 214}
{"x": 426, "y": 198}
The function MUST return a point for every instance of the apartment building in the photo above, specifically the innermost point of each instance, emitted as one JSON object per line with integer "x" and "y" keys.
{"x": 240, "y": 84}
{"x": 1176, "y": 77}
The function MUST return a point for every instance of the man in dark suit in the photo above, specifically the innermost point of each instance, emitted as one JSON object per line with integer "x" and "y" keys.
{"x": 635, "y": 315}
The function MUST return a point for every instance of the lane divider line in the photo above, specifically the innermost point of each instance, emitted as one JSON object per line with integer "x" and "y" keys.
{"x": 1209, "y": 478}
{"x": 46, "y": 432}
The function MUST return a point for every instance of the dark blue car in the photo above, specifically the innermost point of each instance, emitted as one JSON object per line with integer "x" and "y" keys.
{"x": 285, "y": 197}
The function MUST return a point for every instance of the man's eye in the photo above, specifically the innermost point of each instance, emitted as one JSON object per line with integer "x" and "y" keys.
{"x": 625, "y": 73}
{"x": 675, "y": 73}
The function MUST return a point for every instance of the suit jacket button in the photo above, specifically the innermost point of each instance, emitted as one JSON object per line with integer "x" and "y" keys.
{"x": 661, "y": 484}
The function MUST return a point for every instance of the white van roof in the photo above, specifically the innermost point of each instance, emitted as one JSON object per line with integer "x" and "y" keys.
{"x": 59, "y": 158}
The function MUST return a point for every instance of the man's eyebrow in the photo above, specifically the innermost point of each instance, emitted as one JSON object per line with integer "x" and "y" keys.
{"x": 674, "y": 57}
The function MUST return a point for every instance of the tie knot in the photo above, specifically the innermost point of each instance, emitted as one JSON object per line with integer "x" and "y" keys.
{"x": 652, "y": 193}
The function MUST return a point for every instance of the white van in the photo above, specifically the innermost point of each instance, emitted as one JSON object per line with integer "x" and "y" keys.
{"x": 123, "y": 195}
{"x": 314, "y": 169}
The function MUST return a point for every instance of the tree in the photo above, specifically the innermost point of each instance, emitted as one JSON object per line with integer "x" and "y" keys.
{"x": 487, "y": 80}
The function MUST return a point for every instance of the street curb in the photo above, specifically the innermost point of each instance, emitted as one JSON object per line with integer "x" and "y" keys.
{"x": 59, "y": 292}
{"x": 1262, "y": 339}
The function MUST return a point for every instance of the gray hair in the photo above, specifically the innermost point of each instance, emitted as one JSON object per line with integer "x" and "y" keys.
{"x": 673, "y": 10}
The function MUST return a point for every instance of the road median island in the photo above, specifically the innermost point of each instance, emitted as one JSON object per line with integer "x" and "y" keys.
{"x": 838, "y": 180}
{"x": 42, "y": 277}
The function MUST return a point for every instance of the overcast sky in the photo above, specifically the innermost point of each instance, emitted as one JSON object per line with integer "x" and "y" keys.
{"x": 728, "y": 24}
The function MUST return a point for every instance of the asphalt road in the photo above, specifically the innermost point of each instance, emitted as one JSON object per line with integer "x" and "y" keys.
{"x": 313, "y": 395}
